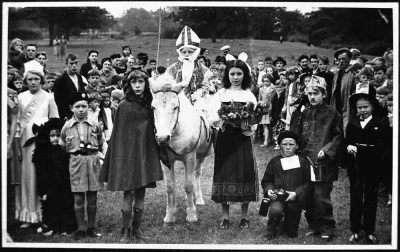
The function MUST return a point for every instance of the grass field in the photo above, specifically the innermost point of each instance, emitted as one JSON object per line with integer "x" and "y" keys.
{"x": 206, "y": 231}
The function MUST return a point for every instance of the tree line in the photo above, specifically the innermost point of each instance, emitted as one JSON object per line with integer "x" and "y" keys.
{"x": 370, "y": 28}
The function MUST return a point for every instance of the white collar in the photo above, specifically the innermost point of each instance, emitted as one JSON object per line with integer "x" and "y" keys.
{"x": 366, "y": 121}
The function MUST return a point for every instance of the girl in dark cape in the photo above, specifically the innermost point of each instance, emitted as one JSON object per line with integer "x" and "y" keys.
{"x": 132, "y": 162}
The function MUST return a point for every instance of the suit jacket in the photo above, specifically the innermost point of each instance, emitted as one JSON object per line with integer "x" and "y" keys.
{"x": 320, "y": 129}
{"x": 102, "y": 115}
{"x": 368, "y": 158}
{"x": 64, "y": 89}
{"x": 328, "y": 76}
{"x": 277, "y": 105}
{"x": 346, "y": 86}
{"x": 86, "y": 67}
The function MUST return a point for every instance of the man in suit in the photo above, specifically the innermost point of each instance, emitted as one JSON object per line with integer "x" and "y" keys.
{"x": 152, "y": 70}
{"x": 314, "y": 63}
{"x": 67, "y": 85}
{"x": 343, "y": 82}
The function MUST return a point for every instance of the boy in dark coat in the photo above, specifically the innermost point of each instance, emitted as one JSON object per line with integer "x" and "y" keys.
{"x": 53, "y": 184}
{"x": 277, "y": 103}
{"x": 363, "y": 134}
{"x": 321, "y": 138}
{"x": 291, "y": 173}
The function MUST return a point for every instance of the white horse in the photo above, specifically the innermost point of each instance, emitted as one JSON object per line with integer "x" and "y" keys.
{"x": 187, "y": 135}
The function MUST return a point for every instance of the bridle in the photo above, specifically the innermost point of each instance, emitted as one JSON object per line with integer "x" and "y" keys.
{"x": 179, "y": 108}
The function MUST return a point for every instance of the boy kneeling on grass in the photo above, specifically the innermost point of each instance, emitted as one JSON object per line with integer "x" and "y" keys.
{"x": 290, "y": 174}
{"x": 81, "y": 137}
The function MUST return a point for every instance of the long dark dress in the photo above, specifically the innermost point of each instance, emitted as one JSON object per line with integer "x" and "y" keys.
{"x": 53, "y": 180}
{"x": 132, "y": 159}
{"x": 235, "y": 178}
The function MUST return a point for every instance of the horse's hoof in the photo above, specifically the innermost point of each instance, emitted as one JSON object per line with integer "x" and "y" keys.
{"x": 200, "y": 202}
{"x": 191, "y": 218}
{"x": 169, "y": 219}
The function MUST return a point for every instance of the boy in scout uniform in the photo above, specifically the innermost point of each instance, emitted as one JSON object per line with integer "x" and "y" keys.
{"x": 81, "y": 137}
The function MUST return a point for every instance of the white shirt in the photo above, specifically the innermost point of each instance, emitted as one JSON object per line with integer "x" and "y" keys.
{"x": 109, "y": 122}
{"x": 366, "y": 121}
{"x": 360, "y": 88}
{"x": 74, "y": 79}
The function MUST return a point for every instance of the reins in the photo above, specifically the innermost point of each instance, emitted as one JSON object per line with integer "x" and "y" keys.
{"x": 176, "y": 122}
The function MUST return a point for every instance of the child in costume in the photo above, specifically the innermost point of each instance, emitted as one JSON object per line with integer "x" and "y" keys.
{"x": 362, "y": 138}
{"x": 81, "y": 137}
{"x": 53, "y": 184}
{"x": 321, "y": 136}
{"x": 132, "y": 162}
{"x": 291, "y": 173}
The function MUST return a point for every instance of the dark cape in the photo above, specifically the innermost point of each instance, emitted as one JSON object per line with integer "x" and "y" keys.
{"x": 53, "y": 180}
{"x": 132, "y": 160}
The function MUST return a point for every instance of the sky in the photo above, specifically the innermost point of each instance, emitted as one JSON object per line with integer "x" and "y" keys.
{"x": 117, "y": 8}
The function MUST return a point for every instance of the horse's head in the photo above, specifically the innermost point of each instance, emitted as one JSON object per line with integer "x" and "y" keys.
{"x": 165, "y": 106}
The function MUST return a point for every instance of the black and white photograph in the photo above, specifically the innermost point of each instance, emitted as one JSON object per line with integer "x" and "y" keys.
{"x": 200, "y": 125}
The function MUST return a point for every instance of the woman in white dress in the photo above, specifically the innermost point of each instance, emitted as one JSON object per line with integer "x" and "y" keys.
{"x": 36, "y": 106}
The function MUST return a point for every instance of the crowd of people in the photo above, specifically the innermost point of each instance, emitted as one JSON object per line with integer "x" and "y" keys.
{"x": 67, "y": 135}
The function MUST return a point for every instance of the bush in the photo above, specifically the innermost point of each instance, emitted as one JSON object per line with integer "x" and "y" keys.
{"x": 170, "y": 33}
{"x": 298, "y": 37}
{"x": 374, "y": 47}
{"x": 137, "y": 30}
{"x": 24, "y": 34}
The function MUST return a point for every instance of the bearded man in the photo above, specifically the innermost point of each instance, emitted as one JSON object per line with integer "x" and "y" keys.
{"x": 188, "y": 69}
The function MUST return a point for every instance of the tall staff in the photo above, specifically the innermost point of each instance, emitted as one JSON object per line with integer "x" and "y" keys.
{"x": 159, "y": 35}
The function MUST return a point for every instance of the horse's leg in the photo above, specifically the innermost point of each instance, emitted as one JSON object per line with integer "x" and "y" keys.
{"x": 169, "y": 177}
{"x": 197, "y": 183}
{"x": 190, "y": 162}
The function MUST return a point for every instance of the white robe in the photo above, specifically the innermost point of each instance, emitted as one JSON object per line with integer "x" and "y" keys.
{"x": 30, "y": 210}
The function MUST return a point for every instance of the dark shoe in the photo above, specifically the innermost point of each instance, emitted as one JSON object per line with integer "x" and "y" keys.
{"x": 224, "y": 224}
{"x": 371, "y": 239}
{"x": 125, "y": 235}
{"x": 78, "y": 235}
{"x": 46, "y": 231}
{"x": 92, "y": 233}
{"x": 269, "y": 237}
{"x": 354, "y": 238}
{"x": 244, "y": 224}
{"x": 137, "y": 232}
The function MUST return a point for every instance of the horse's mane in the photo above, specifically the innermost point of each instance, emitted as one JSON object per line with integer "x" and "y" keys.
{"x": 166, "y": 83}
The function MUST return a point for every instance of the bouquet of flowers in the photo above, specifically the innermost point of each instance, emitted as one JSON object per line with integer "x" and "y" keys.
{"x": 236, "y": 112}
{"x": 262, "y": 108}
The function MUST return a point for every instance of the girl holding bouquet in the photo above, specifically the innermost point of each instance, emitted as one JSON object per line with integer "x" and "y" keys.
{"x": 235, "y": 180}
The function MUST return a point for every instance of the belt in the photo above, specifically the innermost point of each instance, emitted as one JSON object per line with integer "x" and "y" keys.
{"x": 365, "y": 145}
{"x": 84, "y": 153}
